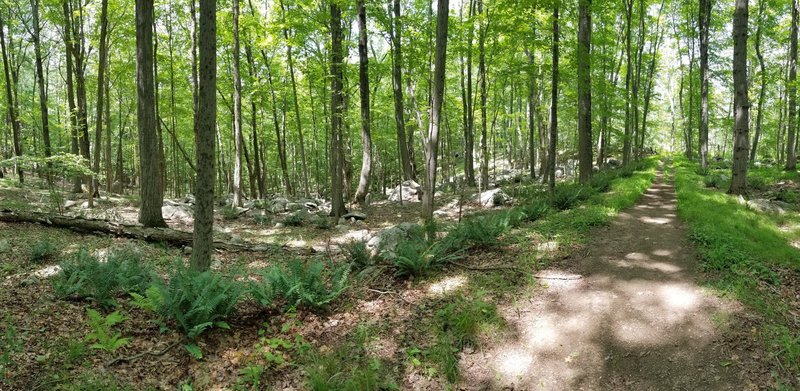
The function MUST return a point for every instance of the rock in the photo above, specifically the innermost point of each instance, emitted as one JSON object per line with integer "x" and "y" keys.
{"x": 355, "y": 215}
{"x": 560, "y": 172}
{"x": 342, "y": 221}
{"x": 595, "y": 169}
{"x": 294, "y": 206}
{"x": 764, "y": 205}
{"x": 187, "y": 250}
{"x": 386, "y": 241}
{"x": 236, "y": 238}
{"x": 311, "y": 206}
{"x": 409, "y": 191}
{"x": 612, "y": 162}
{"x": 489, "y": 198}
{"x": 183, "y": 214}
{"x": 69, "y": 203}
{"x": 117, "y": 187}
{"x": 342, "y": 228}
{"x": 278, "y": 205}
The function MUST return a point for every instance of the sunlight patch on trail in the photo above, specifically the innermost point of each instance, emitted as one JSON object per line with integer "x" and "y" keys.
{"x": 446, "y": 285}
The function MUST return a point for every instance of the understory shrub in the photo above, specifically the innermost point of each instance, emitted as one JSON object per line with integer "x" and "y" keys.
{"x": 43, "y": 250}
{"x": 83, "y": 276}
{"x": 358, "y": 253}
{"x": 314, "y": 284}
{"x": 296, "y": 219}
{"x": 196, "y": 300}
{"x": 415, "y": 257}
{"x": 480, "y": 231}
{"x": 230, "y": 212}
{"x": 757, "y": 182}
{"x": 568, "y": 195}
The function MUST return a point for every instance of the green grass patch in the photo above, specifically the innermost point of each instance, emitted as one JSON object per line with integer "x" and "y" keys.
{"x": 741, "y": 249}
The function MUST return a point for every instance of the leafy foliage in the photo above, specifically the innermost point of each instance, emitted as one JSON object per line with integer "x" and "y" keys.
{"x": 84, "y": 276}
{"x": 416, "y": 256}
{"x": 102, "y": 334}
{"x": 314, "y": 284}
{"x": 568, "y": 195}
{"x": 10, "y": 343}
{"x": 197, "y": 300}
{"x": 43, "y": 250}
{"x": 358, "y": 254}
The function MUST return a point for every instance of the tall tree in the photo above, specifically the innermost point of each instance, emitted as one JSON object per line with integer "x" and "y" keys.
{"x": 762, "y": 92}
{"x": 203, "y": 243}
{"x": 704, "y": 20}
{"x": 151, "y": 189}
{"x": 741, "y": 141}
{"x": 11, "y": 103}
{"x": 626, "y": 148}
{"x": 337, "y": 108}
{"x": 101, "y": 74}
{"x": 37, "y": 48}
{"x": 551, "y": 153}
{"x": 791, "y": 151}
{"x": 482, "y": 77}
{"x": 584, "y": 90}
{"x": 397, "y": 87}
{"x": 299, "y": 123}
{"x": 363, "y": 82}
{"x": 238, "y": 139}
{"x": 437, "y": 96}
{"x": 469, "y": 114}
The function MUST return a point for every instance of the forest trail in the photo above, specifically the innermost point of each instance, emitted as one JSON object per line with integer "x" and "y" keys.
{"x": 624, "y": 313}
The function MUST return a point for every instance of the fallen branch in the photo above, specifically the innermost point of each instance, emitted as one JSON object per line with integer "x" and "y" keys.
{"x": 576, "y": 277}
{"x": 485, "y": 268}
{"x": 142, "y": 354}
{"x": 390, "y": 293}
{"x": 168, "y": 236}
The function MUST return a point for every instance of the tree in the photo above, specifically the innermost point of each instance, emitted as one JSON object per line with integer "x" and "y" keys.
{"x": 741, "y": 102}
{"x": 11, "y": 103}
{"x": 482, "y": 77}
{"x": 37, "y": 48}
{"x": 397, "y": 88}
{"x": 626, "y": 148}
{"x": 101, "y": 73}
{"x": 705, "y": 20}
{"x": 584, "y": 90}
{"x": 237, "y": 109}
{"x": 203, "y": 239}
{"x": 437, "y": 96}
{"x": 791, "y": 151}
{"x": 363, "y": 82}
{"x": 151, "y": 190}
{"x": 551, "y": 153}
{"x": 762, "y": 91}
{"x": 337, "y": 106}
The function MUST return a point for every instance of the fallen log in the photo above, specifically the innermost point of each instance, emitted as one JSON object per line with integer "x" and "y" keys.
{"x": 92, "y": 226}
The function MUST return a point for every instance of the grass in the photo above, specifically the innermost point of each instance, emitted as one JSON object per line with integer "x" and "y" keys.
{"x": 742, "y": 249}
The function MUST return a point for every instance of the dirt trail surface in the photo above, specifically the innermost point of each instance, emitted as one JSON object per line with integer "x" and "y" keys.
{"x": 625, "y": 313}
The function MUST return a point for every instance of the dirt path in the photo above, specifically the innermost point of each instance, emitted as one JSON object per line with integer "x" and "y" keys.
{"x": 626, "y": 314}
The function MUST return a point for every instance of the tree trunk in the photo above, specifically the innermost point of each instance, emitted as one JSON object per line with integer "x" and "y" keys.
{"x": 437, "y": 96}
{"x": 151, "y": 189}
{"x": 337, "y": 105}
{"x": 206, "y": 118}
{"x": 626, "y": 149}
{"x": 41, "y": 82}
{"x": 584, "y": 90}
{"x": 73, "y": 120}
{"x": 532, "y": 93}
{"x": 741, "y": 101}
{"x": 397, "y": 86}
{"x": 791, "y": 152}
{"x": 705, "y": 20}
{"x": 11, "y": 102}
{"x": 237, "y": 110}
{"x": 101, "y": 74}
{"x": 299, "y": 124}
{"x": 482, "y": 77}
{"x": 762, "y": 93}
{"x": 363, "y": 80}
{"x": 551, "y": 153}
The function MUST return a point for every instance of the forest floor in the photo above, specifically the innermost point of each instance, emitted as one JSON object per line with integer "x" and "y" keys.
{"x": 607, "y": 294}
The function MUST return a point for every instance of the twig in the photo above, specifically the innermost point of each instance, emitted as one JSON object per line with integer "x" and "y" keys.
{"x": 142, "y": 354}
{"x": 389, "y": 293}
{"x": 491, "y": 267}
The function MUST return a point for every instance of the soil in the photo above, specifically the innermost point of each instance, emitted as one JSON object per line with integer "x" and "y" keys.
{"x": 627, "y": 313}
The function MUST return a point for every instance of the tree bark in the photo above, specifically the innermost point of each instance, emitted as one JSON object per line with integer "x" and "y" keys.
{"x": 363, "y": 80}
{"x": 791, "y": 152}
{"x": 626, "y": 148}
{"x": 482, "y": 77}
{"x": 237, "y": 109}
{"x": 101, "y": 74}
{"x": 37, "y": 48}
{"x": 151, "y": 189}
{"x": 437, "y": 96}
{"x": 762, "y": 93}
{"x": 337, "y": 106}
{"x": 397, "y": 87}
{"x": 71, "y": 106}
{"x": 584, "y": 90}
{"x": 705, "y": 20}
{"x": 551, "y": 153}
{"x": 10, "y": 101}
{"x": 299, "y": 123}
{"x": 204, "y": 141}
{"x": 741, "y": 101}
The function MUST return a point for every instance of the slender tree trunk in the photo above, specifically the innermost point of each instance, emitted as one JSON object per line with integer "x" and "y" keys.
{"x": 437, "y": 98}
{"x": 299, "y": 123}
{"x": 584, "y": 90}
{"x": 762, "y": 92}
{"x": 337, "y": 106}
{"x": 203, "y": 242}
{"x": 532, "y": 94}
{"x": 551, "y": 153}
{"x": 397, "y": 85}
{"x": 151, "y": 189}
{"x": 482, "y": 77}
{"x": 71, "y": 106}
{"x": 238, "y": 139}
{"x": 626, "y": 149}
{"x": 363, "y": 80}
{"x": 37, "y": 48}
{"x": 648, "y": 92}
{"x": 791, "y": 152}
{"x": 741, "y": 101}
{"x": 287, "y": 184}
{"x": 101, "y": 74}
{"x": 705, "y": 20}
{"x": 10, "y": 101}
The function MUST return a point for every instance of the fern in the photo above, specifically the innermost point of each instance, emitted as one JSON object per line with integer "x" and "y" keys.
{"x": 102, "y": 333}
{"x": 312, "y": 285}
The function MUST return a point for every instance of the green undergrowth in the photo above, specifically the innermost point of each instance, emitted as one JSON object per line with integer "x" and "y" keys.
{"x": 742, "y": 249}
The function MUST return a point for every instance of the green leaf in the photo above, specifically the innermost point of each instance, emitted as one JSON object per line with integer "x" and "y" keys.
{"x": 222, "y": 325}
{"x": 194, "y": 350}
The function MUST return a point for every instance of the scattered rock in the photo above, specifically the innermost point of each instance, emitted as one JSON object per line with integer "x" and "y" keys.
{"x": 278, "y": 205}
{"x": 764, "y": 205}
{"x": 117, "y": 187}
{"x": 179, "y": 213}
{"x": 386, "y": 241}
{"x": 490, "y": 198}
{"x": 236, "y": 238}
{"x": 408, "y": 190}
{"x": 187, "y": 250}
{"x": 355, "y": 215}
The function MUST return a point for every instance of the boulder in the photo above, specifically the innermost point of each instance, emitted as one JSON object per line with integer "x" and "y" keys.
{"x": 295, "y": 206}
{"x": 560, "y": 172}
{"x": 180, "y": 213}
{"x": 386, "y": 241}
{"x": 278, "y": 205}
{"x": 490, "y": 198}
{"x": 117, "y": 187}
{"x": 355, "y": 215}
{"x": 764, "y": 205}
{"x": 613, "y": 162}
{"x": 409, "y": 191}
